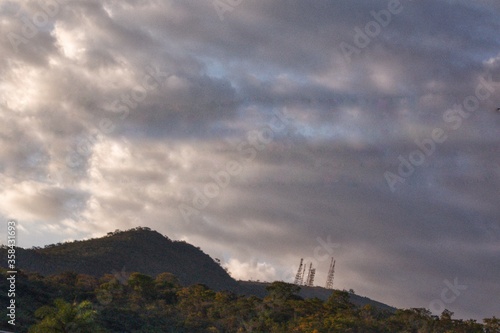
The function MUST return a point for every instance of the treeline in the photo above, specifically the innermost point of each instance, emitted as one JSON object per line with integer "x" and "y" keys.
{"x": 123, "y": 302}
{"x": 109, "y": 234}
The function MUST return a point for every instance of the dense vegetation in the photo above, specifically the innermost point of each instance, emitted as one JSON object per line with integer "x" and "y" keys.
{"x": 71, "y": 302}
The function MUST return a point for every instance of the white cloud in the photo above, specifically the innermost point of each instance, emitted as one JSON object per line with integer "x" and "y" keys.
{"x": 254, "y": 270}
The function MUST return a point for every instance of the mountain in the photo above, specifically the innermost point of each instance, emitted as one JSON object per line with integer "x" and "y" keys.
{"x": 148, "y": 252}
{"x": 137, "y": 250}
{"x": 259, "y": 289}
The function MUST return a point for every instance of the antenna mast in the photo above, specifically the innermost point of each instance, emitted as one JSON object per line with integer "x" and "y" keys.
{"x": 329, "y": 279}
{"x": 306, "y": 282}
{"x": 310, "y": 277}
{"x": 298, "y": 276}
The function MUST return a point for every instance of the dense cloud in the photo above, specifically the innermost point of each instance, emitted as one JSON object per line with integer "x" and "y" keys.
{"x": 265, "y": 132}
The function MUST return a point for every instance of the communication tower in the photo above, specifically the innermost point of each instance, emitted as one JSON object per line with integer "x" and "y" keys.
{"x": 329, "y": 279}
{"x": 299, "y": 275}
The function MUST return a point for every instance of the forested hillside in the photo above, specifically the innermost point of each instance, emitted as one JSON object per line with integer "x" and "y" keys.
{"x": 70, "y": 302}
{"x": 141, "y": 281}
{"x": 148, "y": 252}
{"x": 136, "y": 250}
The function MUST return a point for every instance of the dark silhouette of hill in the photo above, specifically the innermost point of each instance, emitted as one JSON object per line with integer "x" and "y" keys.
{"x": 137, "y": 250}
{"x": 148, "y": 252}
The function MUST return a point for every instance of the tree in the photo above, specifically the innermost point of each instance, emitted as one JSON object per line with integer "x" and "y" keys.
{"x": 64, "y": 317}
{"x": 143, "y": 287}
{"x": 193, "y": 304}
{"x": 282, "y": 291}
{"x": 278, "y": 310}
{"x": 492, "y": 325}
{"x": 445, "y": 321}
{"x": 339, "y": 301}
{"x": 166, "y": 286}
{"x": 410, "y": 320}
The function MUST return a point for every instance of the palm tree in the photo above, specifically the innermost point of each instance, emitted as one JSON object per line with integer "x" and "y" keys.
{"x": 65, "y": 317}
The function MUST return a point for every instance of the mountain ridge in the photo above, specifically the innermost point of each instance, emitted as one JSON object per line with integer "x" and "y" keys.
{"x": 149, "y": 252}
{"x": 136, "y": 250}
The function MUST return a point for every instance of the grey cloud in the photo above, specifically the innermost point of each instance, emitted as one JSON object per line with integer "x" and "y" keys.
{"x": 219, "y": 83}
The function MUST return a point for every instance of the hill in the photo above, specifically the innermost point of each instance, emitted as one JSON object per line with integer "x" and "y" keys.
{"x": 259, "y": 289}
{"x": 148, "y": 252}
{"x": 137, "y": 250}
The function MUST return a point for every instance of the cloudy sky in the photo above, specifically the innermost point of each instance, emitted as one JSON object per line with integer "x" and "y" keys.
{"x": 265, "y": 132}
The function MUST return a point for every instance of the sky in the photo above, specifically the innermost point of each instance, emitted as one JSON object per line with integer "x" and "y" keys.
{"x": 265, "y": 132}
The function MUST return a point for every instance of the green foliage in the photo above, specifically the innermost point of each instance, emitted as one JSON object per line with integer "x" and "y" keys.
{"x": 65, "y": 317}
{"x": 142, "y": 285}
{"x": 281, "y": 291}
{"x": 339, "y": 302}
{"x": 492, "y": 325}
{"x": 141, "y": 303}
